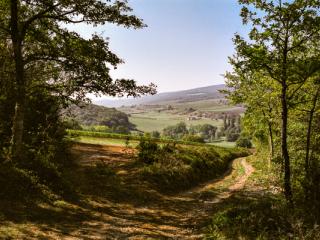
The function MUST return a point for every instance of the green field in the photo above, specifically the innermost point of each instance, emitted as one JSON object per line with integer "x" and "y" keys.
{"x": 224, "y": 144}
{"x": 157, "y": 121}
{"x": 105, "y": 141}
{"x": 211, "y": 105}
{"x": 134, "y": 143}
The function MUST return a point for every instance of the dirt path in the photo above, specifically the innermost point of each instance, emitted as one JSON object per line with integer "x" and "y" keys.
{"x": 134, "y": 211}
{"x": 178, "y": 216}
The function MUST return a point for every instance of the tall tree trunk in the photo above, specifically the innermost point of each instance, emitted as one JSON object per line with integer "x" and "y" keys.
{"x": 18, "y": 120}
{"x": 309, "y": 131}
{"x": 284, "y": 145}
{"x": 271, "y": 144}
{"x": 284, "y": 116}
{"x": 270, "y": 137}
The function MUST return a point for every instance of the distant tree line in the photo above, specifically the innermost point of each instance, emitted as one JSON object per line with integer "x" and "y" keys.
{"x": 196, "y": 133}
{"x": 97, "y": 118}
{"x": 231, "y": 127}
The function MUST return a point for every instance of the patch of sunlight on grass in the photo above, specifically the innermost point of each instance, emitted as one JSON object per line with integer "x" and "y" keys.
{"x": 224, "y": 144}
{"x": 106, "y": 141}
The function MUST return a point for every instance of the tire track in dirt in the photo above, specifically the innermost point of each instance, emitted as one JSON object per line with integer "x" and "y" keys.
{"x": 178, "y": 216}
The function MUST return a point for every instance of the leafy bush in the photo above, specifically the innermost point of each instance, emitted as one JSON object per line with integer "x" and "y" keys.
{"x": 45, "y": 151}
{"x": 177, "y": 131}
{"x": 172, "y": 167}
{"x": 244, "y": 142}
{"x": 148, "y": 151}
{"x": 193, "y": 138}
{"x": 72, "y": 124}
{"x": 206, "y": 131}
{"x": 20, "y": 185}
{"x": 232, "y": 136}
{"x": 155, "y": 134}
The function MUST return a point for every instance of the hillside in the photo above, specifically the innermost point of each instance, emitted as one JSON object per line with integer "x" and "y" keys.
{"x": 177, "y": 97}
{"x": 205, "y": 105}
{"x": 90, "y": 115}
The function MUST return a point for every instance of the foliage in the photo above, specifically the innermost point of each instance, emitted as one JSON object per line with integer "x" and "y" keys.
{"x": 44, "y": 55}
{"x": 244, "y": 142}
{"x": 196, "y": 133}
{"x": 176, "y": 132}
{"x": 46, "y": 154}
{"x": 72, "y": 124}
{"x": 275, "y": 72}
{"x": 76, "y": 133}
{"x": 155, "y": 134}
{"x": 44, "y": 67}
{"x": 172, "y": 168}
{"x": 148, "y": 151}
{"x": 193, "y": 138}
{"x": 205, "y": 131}
{"x": 99, "y": 118}
{"x": 264, "y": 216}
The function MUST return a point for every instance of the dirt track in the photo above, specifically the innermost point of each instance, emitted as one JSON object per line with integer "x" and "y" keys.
{"x": 126, "y": 208}
{"x": 179, "y": 216}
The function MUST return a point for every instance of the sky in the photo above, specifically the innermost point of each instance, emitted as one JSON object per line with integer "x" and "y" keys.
{"x": 186, "y": 44}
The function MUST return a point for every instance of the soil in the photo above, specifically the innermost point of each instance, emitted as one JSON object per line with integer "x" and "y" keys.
{"x": 129, "y": 209}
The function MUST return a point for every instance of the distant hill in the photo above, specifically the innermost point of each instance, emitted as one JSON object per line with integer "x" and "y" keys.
{"x": 90, "y": 115}
{"x": 192, "y": 95}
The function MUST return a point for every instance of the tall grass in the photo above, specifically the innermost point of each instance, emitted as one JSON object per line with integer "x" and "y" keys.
{"x": 171, "y": 168}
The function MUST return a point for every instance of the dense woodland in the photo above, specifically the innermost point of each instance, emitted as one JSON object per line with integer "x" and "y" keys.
{"x": 45, "y": 69}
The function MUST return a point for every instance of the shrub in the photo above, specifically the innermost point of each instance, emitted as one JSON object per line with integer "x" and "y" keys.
{"x": 232, "y": 136}
{"x": 193, "y": 138}
{"x": 177, "y": 167}
{"x": 19, "y": 184}
{"x": 155, "y": 134}
{"x": 244, "y": 142}
{"x": 148, "y": 150}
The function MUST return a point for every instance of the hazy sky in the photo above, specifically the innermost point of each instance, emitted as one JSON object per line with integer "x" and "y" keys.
{"x": 185, "y": 45}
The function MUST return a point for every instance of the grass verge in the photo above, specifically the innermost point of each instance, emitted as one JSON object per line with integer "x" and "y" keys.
{"x": 181, "y": 167}
{"x": 260, "y": 212}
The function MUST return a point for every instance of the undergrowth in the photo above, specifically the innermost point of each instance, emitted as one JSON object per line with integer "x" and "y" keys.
{"x": 260, "y": 211}
{"x": 173, "y": 167}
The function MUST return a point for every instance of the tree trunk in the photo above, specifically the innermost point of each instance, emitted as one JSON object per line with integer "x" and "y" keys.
{"x": 270, "y": 137}
{"x": 284, "y": 145}
{"x": 18, "y": 120}
{"x": 308, "y": 144}
{"x": 309, "y": 131}
{"x": 271, "y": 144}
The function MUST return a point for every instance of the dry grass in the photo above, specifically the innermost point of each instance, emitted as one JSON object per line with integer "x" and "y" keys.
{"x": 113, "y": 203}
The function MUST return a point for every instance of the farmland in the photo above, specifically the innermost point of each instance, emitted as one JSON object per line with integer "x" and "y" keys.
{"x": 102, "y": 138}
{"x": 156, "y": 117}
{"x": 155, "y": 121}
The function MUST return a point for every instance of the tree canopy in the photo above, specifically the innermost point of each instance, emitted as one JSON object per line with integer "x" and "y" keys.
{"x": 45, "y": 55}
{"x": 274, "y": 66}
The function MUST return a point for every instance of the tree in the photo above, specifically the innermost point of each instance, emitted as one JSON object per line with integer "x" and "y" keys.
{"x": 282, "y": 34}
{"x": 177, "y": 131}
{"x": 244, "y": 142}
{"x": 35, "y": 34}
{"x": 259, "y": 95}
{"x": 205, "y": 131}
{"x": 155, "y": 134}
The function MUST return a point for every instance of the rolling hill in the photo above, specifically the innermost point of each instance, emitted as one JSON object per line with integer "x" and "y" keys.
{"x": 177, "y": 97}
{"x": 91, "y": 114}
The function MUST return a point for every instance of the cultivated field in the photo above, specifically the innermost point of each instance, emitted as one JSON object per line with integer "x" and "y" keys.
{"x": 155, "y": 121}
